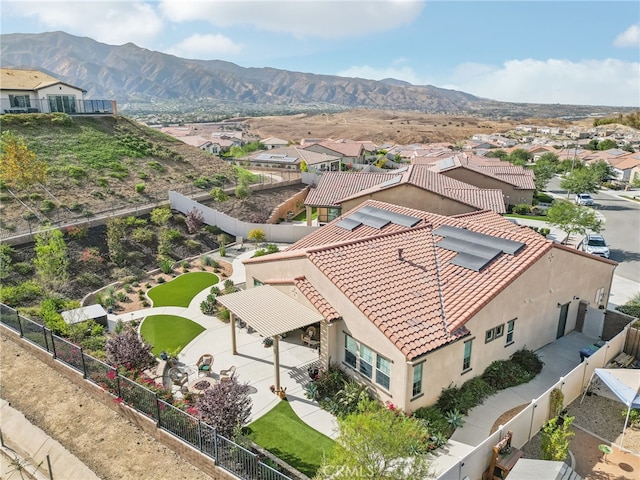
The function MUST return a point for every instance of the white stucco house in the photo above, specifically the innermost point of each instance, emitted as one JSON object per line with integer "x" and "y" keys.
{"x": 32, "y": 91}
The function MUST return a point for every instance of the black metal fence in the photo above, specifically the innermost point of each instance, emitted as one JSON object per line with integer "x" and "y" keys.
{"x": 227, "y": 454}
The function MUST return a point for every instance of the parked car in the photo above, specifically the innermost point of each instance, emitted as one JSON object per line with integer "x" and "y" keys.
{"x": 584, "y": 199}
{"x": 596, "y": 245}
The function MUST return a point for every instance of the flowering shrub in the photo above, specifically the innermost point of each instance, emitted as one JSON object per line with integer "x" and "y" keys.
{"x": 91, "y": 256}
{"x": 77, "y": 233}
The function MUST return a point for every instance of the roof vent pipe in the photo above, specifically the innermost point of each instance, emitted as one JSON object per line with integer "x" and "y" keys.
{"x": 400, "y": 255}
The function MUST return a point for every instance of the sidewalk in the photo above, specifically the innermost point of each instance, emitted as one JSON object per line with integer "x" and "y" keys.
{"x": 28, "y": 446}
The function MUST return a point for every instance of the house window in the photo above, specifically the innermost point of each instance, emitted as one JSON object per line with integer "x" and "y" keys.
{"x": 333, "y": 213}
{"x": 466, "y": 362}
{"x": 257, "y": 283}
{"x": 510, "y": 326}
{"x": 19, "y": 101}
{"x": 493, "y": 333}
{"x": 350, "y": 351}
{"x": 417, "y": 380}
{"x": 364, "y": 360}
{"x": 62, "y": 103}
{"x": 383, "y": 371}
{"x": 599, "y": 296}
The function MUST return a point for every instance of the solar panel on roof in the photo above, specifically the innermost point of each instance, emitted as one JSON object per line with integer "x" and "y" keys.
{"x": 348, "y": 223}
{"x": 446, "y": 163}
{"x": 369, "y": 220}
{"x": 469, "y": 261}
{"x": 391, "y": 181}
{"x": 397, "y": 218}
{"x": 462, "y": 246}
{"x": 507, "y": 246}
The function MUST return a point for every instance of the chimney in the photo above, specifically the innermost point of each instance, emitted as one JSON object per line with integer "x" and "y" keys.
{"x": 400, "y": 255}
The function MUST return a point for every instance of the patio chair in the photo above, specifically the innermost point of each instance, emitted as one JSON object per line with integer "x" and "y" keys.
{"x": 226, "y": 375}
{"x": 205, "y": 364}
{"x": 308, "y": 337}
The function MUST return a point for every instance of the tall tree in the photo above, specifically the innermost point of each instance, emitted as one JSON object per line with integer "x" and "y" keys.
{"x": 573, "y": 218}
{"x": 607, "y": 144}
{"x": 51, "y": 262}
{"x": 545, "y": 169}
{"x": 378, "y": 442}
{"x": 19, "y": 166}
{"x": 520, "y": 156}
{"x": 116, "y": 229}
{"x": 602, "y": 170}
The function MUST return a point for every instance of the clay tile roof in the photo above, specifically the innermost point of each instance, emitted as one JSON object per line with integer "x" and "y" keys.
{"x": 345, "y": 149}
{"x": 316, "y": 299}
{"x": 515, "y": 175}
{"x": 335, "y": 186}
{"x": 414, "y": 296}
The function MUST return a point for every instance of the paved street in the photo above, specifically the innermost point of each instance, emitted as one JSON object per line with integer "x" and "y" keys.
{"x": 621, "y": 230}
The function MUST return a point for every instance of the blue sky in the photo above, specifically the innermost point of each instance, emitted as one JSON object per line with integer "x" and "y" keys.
{"x": 572, "y": 52}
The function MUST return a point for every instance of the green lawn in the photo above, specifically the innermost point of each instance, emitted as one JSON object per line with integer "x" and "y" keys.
{"x": 180, "y": 291}
{"x": 169, "y": 332}
{"x": 282, "y": 433}
{"x": 527, "y": 217}
{"x": 302, "y": 216}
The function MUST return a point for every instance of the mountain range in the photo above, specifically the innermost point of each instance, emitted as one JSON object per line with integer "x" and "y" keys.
{"x": 132, "y": 74}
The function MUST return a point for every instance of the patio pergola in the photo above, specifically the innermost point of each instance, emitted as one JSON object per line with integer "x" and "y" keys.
{"x": 270, "y": 313}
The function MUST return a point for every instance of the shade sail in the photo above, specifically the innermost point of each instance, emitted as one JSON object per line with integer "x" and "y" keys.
{"x": 269, "y": 311}
{"x": 623, "y": 382}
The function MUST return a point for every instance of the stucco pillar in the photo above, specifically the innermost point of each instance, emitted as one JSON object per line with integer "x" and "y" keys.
{"x": 276, "y": 361}
{"x": 324, "y": 349}
{"x": 232, "y": 316}
{"x": 309, "y": 211}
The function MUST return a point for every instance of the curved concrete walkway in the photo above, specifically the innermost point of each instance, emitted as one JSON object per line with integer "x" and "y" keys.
{"x": 254, "y": 362}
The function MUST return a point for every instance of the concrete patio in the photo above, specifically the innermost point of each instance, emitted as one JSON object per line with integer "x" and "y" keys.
{"x": 254, "y": 362}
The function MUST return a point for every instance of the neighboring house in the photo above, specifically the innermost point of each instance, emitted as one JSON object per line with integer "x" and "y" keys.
{"x": 623, "y": 167}
{"x": 221, "y": 145}
{"x": 413, "y": 187}
{"x": 515, "y": 182}
{"x": 32, "y": 91}
{"x": 349, "y": 152}
{"x": 273, "y": 142}
{"x": 292, "y": 157}
{"x": 410, "y": 302}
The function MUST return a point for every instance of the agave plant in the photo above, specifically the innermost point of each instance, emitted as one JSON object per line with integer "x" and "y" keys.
{"x": 455, "y": 418}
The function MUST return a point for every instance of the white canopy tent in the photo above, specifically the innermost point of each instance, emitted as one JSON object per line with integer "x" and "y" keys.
{"x": 624, "y": 383}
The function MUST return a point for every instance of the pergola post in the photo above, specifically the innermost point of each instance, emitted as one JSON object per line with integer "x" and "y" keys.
{"x": 234, "y": 350}
{"x": 308, "y": 213}
{"x": 276, "y": 360}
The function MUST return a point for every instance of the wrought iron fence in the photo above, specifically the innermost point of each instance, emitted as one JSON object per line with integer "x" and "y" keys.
{"x": 226, "y": 453}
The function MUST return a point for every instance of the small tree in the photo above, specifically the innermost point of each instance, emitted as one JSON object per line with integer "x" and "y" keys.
{"x": 582, "y": 180}
{"x": 51, "y": 262}
{"x": 242, "y": 191}
{"x": 194, "y": 220}
{"x": 257, "y": 235}
{"x": 218, "y": 195}
{"x": 602, "y": 170}
{"x": 19, "y": 166}
{"x": 130, "y": 350}
{"x": 226, "y": 406}
{"x": 556, "y": 437}
{"x": 573, "y": 218}
{"x": 378, "y": 442}
{"x": 545, "y": 169}
{"x": 116, "y": 229}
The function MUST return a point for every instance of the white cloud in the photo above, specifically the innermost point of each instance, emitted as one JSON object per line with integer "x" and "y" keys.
{"x": 113, "y": 22}
{"x": 205, "y": 47}
{"x": 629, "y": 38}
{"x": 301, "y": 18}
{"x": 588, "y": 82}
